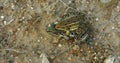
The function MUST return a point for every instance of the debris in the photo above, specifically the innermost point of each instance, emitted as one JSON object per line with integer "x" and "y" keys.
{"x": 105, "y": 1}
{"x": 69, "y": 58}
{"x": 113, "y": 27}
{"x": 97, "y": 19}
{"x": 2, "y": 17}
{"x": 38, "y": 40}
{"x": 59, "y": 45}
{"x": 44, "y": 58}
{"x": 110, "y": 59}
{"x": 5, "y": 22}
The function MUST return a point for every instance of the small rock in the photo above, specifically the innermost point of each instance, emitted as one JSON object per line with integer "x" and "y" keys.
{"x": 83, "y": 59}
{"x": 118, "y": 7}
{"x": 41, "y": 37}
{"x": 76, "y": 47}
{"x": 95, "y": 58}
{"x": 89, "y": 51}
{"x": 38, "y": 40}
{"x": 44, "y": 58}
{"x": 30, "y": 60}
{"x": 18, "y": 29}
{"x": 69, "y": 58}
{"x": 31, "y": 8}
{"x": 70, "y": 2}
{"x": 59, "y": 45}
{"x": 89, "y": 12}
{"x": 5, "y": 22}
{"x": 13, "y": 6}
{"x": 97, "y": 19}
{"x": 55, "y": 40}
{"x": 52, "y": 57}
{"x": 101, "y": 57}
{"x": 2, "y": 17}
{"x": 110, "y": 59}
{"x": 113, "y": 27}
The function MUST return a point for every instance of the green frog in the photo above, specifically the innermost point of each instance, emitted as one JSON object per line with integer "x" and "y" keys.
{"x": 73, "y": 26}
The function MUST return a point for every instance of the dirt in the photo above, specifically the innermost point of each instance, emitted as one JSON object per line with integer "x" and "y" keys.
{"x": 23, "y": 36}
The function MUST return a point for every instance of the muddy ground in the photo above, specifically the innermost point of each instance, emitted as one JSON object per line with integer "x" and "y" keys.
{"x": 23, "y": 36}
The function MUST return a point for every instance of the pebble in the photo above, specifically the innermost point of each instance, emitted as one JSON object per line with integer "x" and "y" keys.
{"x": 16, "y": 57}
{"x": 49, "y": 25}
{"x": 38, "y": 40}
{"x": 11, "y": 55}
{"x": 31, "y": 8}
{"x": 70, "y": 2}
{"x": 83, "y": 59}
{"x": 2, "y": 17}
{"x": 95, "y": 57}
{"x": 59, "y": 45}
{"x": 101, "y": 57}
{"x": 41, "y": 37}
{"x": 118, "y": 7}
{"x": 52, "y": 57}
{"x": 23, "y": 17}
{"x": 13, "y": 6}
{"x": 113, "y": 27}
{"x": 110, "y": 59}
{"x": 45, "y": 38}
{"x": 81, "y": 50}
{"x": 118, "y": 57}
{"x": 87, "y": 2}
{"x": 89, "y": 51}
{"x": 106, "y": 50}
{"x": 109, "y": 35}
{"x": 18, "y": 29}
{"x": 69, "y": 58}
{"x": 38, "y": 52}
{"x": 5, "y": 22}
{"x": 97, "y": 19}
{"x": 94, "y": 53}
{"x": 96, "y": 44}
{"x": 89, "y": 12}
{"x": 76, "y": 47}
{"x": 30, "y": 60}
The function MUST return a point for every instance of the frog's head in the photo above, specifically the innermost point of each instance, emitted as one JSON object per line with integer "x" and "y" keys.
{"x": 51, "y": 28}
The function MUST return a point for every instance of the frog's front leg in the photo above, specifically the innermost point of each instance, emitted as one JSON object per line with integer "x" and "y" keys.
{"x": 63, "y": 36}
{"x": 67, "y": 32}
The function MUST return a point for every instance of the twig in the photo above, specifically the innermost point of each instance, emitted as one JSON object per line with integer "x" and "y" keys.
{"x": 14, "y": 50}
{"x": 66, "y": 5}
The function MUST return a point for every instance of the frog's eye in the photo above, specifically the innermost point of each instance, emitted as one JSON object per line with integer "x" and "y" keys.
{"x": 55, "y": 22}
{"x": 49, "y": 25}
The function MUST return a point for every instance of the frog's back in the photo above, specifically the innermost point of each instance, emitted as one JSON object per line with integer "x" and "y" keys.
{"x": 71, "y": 22}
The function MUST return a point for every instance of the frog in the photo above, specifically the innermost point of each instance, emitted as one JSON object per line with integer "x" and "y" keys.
{"x": 71, "y": 27}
